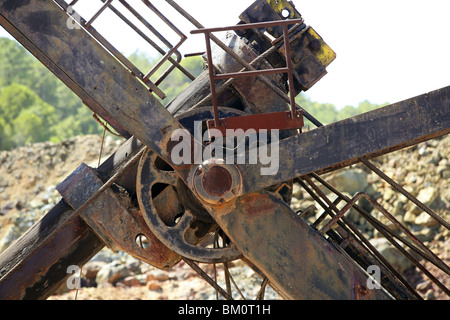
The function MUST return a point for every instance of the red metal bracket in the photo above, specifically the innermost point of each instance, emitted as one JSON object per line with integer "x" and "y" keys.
{"x": 263, "y": 121}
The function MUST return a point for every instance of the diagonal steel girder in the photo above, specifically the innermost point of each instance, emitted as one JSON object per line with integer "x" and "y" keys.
{"x": 367, "y": 135}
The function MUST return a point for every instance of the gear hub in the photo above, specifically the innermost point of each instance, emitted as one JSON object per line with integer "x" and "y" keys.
{"x": 216, "y": 182}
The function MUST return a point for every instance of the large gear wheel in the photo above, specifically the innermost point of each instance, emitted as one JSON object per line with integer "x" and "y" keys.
{"x": 173, "y": 212}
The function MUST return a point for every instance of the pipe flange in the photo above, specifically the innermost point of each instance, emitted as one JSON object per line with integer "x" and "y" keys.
{"x": 216, "y": 182}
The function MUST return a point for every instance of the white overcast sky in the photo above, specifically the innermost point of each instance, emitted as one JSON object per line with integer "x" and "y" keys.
{"x": 387, "y": 50}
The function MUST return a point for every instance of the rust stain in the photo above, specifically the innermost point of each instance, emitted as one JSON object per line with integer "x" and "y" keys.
{"x": 257, "y": 204}
{"x": 165, "y": 129}
{"x": 360, "y": 291}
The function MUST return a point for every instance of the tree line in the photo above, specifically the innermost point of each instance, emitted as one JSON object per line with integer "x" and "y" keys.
{"x": 36, "y": 106}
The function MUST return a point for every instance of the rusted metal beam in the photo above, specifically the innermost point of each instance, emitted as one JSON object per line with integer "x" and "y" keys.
{"x": 296, "y": 259}
{"x": 36, "y": 263}
{"x": 368, "y": 135}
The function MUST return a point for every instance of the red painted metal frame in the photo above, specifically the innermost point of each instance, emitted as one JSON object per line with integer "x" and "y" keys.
{"x": 259, "y": 122}
{"x": 296, "y": 118}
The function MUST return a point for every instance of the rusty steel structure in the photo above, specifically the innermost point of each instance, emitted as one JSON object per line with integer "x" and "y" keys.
{"x": 214, "y": 211}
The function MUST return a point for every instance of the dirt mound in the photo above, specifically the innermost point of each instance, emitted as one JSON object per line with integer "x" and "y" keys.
{"x": 27, "y": 171}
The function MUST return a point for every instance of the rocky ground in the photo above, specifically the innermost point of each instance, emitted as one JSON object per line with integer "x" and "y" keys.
{"x": 28, "y": 177}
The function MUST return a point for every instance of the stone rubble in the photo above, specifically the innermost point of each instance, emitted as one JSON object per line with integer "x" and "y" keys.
{"x": 28, "y": 177}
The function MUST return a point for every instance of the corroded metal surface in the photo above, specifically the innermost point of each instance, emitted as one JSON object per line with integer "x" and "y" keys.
{"x": 36, "y": 264}
{"x": 370, "y": 134}
{"x": 118, "y": 224}
{"x": 296, "y": 259}
{"x": 181, "y": 230}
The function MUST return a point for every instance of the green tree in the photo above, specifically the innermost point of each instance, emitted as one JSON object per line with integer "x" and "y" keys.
{"x": 14, "y": 98}
{"x": 324, "y": 112}
{"x": 28, "y": 128}
{"x": 46, "y": 84}
{"x": 142, "y": 60}
{"x": 16, "y": 64}
{"x": 327, "y": 113}
{"x": 178, "y": 81}
{"x": 366, "y": 106}
{"x": 25, "y": 82}
{"x": 346, "y": 112}
{"x": 25, "y": 117}
{"x": 5, "y": 135}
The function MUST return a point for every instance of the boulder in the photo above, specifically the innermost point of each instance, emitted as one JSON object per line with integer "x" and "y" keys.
{"x": 158, "y": 275}
{"x": 154, "y": 286}
{"x": 424, "y": 219}
{"x": 351, "y": 180}
{"x": 428, "y": 195}
{"x": 130, "y": 281}
{"x": 392, "y": 254}
{"x": 91, "y": 269}
{"x": 111, "y": 273}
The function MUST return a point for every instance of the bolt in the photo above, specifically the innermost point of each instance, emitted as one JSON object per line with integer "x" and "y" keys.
{"x": 315, "y": 45}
